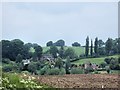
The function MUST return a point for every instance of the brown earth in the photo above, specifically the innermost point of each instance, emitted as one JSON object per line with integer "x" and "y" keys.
{"x": 81, "y": 81}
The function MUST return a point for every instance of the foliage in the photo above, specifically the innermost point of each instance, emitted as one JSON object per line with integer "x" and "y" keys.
{"x": 96, "y": 46}
{"x": 76, "y": 44}
{"x": 70, "y": 53}
{"x": 14, "y": 81}
{"x": 19, "y": 58}
{"x": 62, "y": 71}
{"x": 91, "y": 48}
{"x": 87, "y": 47}
{"x": 43, "y": 71}
{"x": 76, "y": 71}
{"x": 89, "y": 69}
{"x": 108, "y": 46}
{"x": 61, "y": 52}
{"x": 67, "y": 65}
{"x": 114, "y": 65}
{"x": 103, "y": 64}
{"x": 59, "y": 63}
{"x": 53, "y": 71}
{"x": 32, "y": 67}
{"x": 107, "y": 69}
{"x": 38, "y": 51}
{"x": 107, "y": 60}
{"x": 59, "y": 43}
{"x": 10, "y": 67}
{"x": 5, "y": 60}
{"x": 50, "y": 43}
{"x": 54, "y": 50}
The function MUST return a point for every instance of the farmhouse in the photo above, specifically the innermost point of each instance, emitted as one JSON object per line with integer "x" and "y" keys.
{"x": 47, "y": 57}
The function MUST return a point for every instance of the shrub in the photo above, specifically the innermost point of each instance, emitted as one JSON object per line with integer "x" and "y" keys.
{"x": 62, "y": 71}
{"x": 107, "y": 69}
{"x": 103, "y": 64}
{"x": 114, "y": 65}
{"x": 96, "y": 72}
{"x": 26, "y": 72}
{"x": 32, "y": 67}
{"x": 6, "y": 60}
{"x": 43, "y": 71}
{"x": 9, "y": 67}
{"x": 107, "y": 60}
{"x": 76, "y": 71}
{"x": 89, "y": 69}
{"x": 53, "y": 71}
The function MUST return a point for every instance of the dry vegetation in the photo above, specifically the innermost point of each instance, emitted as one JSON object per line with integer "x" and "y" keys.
{"x": 81, "y": 81}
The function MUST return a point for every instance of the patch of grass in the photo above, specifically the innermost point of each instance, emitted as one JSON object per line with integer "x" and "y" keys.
{"x": 78, "y": 50}
{"x": 93, "y": 60}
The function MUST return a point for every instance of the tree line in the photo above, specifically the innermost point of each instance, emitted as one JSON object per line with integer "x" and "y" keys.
{"x": 110, "y": 47}
{"x": 16, "y": 48}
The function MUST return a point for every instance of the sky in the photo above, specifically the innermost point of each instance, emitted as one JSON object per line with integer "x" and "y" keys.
{"x": 39, "y": 22}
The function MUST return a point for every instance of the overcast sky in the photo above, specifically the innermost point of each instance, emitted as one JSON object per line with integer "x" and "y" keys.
{"x": 42, "y": 22}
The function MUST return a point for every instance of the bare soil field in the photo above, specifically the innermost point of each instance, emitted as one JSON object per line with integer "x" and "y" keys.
{"x": 81, "y": 81}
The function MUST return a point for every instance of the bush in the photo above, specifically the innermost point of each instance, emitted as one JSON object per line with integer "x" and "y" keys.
{"x": 54, "y": 71}
{"x": 114, "y": 65}
{"x": 89, "y": 69}
{"x": 76, "y": 71}
{"x": 32, "y": 67}
{"x": 6, "y": 60}
{"x": 26, "y": 72}
{"x": 107, "y": 69}
{"x": 107, "y": 60}
{"x": 43, "y": 71}
{"x": 9, "y": 67}
{"x": 62, "y": 71}
{"x": 103, "y": 64}
{"x": 96, "y": 72}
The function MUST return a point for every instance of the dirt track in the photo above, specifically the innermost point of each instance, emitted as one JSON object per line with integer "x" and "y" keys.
{"x": 82, "y": 81}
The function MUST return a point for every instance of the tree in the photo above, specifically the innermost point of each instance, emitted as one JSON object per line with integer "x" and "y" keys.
{"x": 100, "y": 43}
{"x": 19, "y": 58}
{"x": 70, "y": 53}
{"x": 50, "y": 43}
{"x": 108, "y": 46}
{"x": 61, "y": 52}
{"x": 76, "y": 44}
{"x": 26, "y": 53}
{"x": 16, "y": 47}
{"x": 67, "y": 65}
{"x": 87, "y": 47}
{"x": 91, "y": 50}
{"x": 32, "y": 67}
{"x": 54, "y": 50}
{"x": 96, "y": 46}
{"x": 60, "y": 43}
{"x": 59, "y": 63}
{"x": 6, "y": 48}
{"x": 38, "y": 51}
{"x": 118, "y": 45}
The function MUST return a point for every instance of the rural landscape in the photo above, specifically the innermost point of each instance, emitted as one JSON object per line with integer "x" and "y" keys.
{"x": 98, "y": 64}
{"x": 59, "y": 45}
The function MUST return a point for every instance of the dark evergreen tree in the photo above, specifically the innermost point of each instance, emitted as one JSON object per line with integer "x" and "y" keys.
{"x": 96, "y": 46}
{"x": 108, "y": 46}
{"x": 91, "y": 49}
{"x": 87, "y": 47}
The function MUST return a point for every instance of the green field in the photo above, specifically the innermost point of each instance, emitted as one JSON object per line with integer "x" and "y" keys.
{"x": 92, "y": 60}
{"x": 78, "y": 50}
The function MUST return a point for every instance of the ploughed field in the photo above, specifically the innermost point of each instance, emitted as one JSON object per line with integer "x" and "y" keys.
{"x": 81, "y": 81}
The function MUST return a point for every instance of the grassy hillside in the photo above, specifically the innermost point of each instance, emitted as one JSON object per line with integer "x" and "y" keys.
{"x": 78, "y": 50}
{"x": 92, "y": 60}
